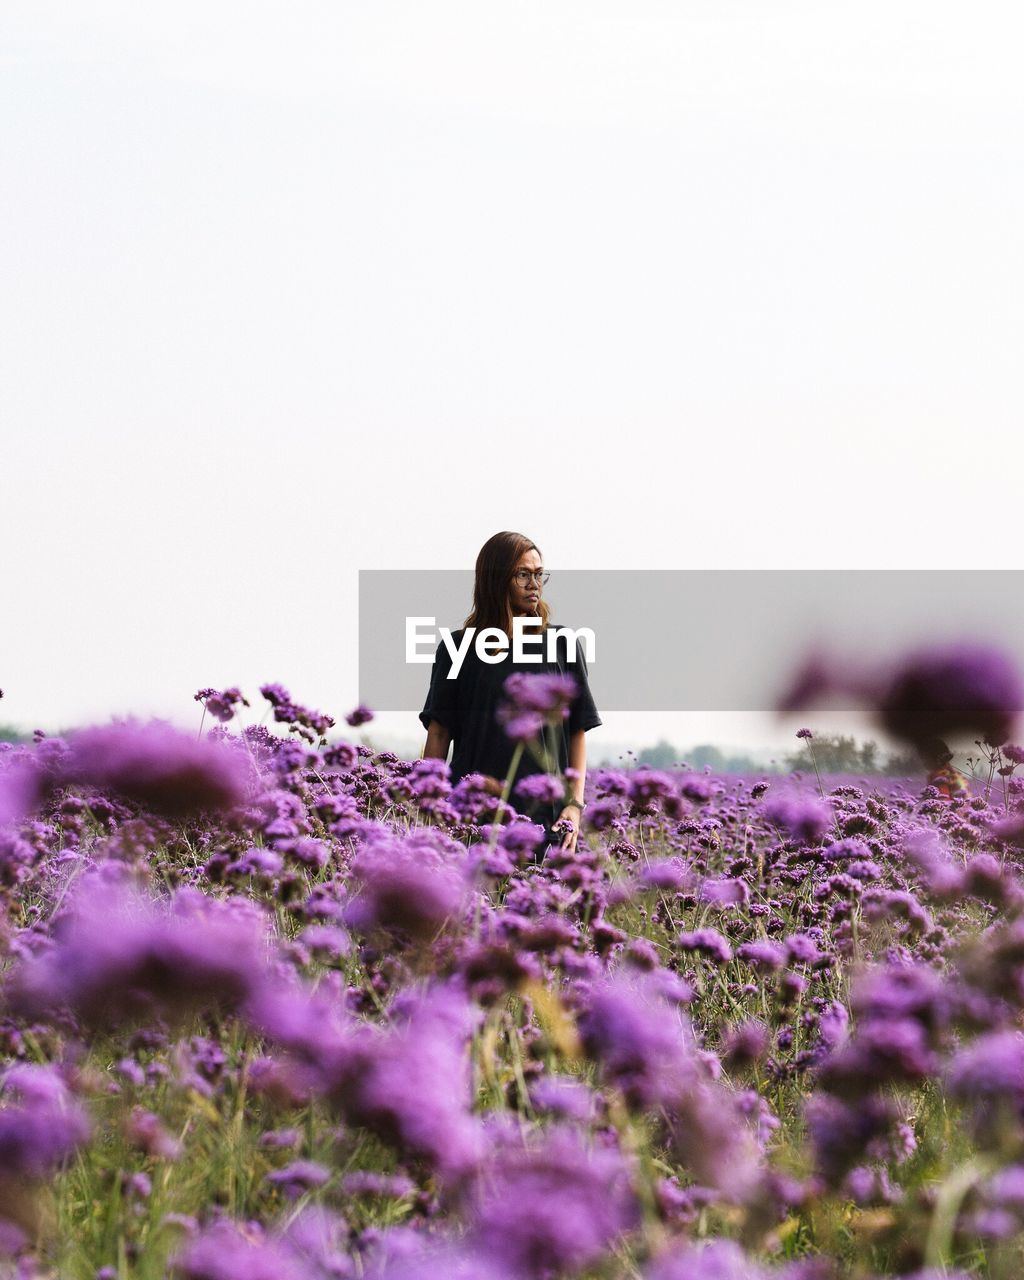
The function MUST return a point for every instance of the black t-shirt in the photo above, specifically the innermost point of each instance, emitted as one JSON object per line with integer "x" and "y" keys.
{"x": 467, "y": 707}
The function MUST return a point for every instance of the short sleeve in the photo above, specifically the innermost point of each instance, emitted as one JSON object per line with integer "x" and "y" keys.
{"x": 583, "y": 712}
{"x": 440, "y": 704}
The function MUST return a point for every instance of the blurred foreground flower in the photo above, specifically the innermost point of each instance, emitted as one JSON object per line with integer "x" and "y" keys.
{"x": 403, "y": 885}
{"x": 533, "y": 701}
{"x": 644, "y": 1045}
{"x": 803, "y": 818}
{"x": 20, "y": 787}
{"x": 960, "y": 688}
{"x": 553, "y": 1207}
{"x": 410, "y": 1085}
{"x": 937, "y": 691}
{"x": 41, "y": 1125}
{"x": 117, "y": 957}
{"x": 158, "y": 767}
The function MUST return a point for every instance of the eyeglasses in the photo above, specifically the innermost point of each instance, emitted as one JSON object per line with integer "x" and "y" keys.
{"x": 524, "y": 577}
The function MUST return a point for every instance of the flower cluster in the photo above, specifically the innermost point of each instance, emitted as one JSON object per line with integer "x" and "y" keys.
{"x": 276, "y": 1008}
{"x": 310, "y": 725}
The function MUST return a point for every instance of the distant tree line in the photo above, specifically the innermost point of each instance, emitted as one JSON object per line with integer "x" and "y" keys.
{"x": 833, "y": 753}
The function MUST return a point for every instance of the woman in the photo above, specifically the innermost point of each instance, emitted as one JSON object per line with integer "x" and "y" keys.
{"x": 509, "y": 582}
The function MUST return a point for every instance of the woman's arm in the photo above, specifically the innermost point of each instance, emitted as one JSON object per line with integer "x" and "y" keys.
{"x": 438, "y": 742}
{"x": 577, "y": 761}
{"x": 436, "y": 748}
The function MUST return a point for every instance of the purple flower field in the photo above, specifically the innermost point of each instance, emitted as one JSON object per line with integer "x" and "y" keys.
{"x": 274, "y": 1007}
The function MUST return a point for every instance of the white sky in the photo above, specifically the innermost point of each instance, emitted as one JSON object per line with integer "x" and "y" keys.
{"x": 290, "y": 290}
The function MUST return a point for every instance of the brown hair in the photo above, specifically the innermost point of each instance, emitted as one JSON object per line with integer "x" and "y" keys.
{"x": 495, "y": 565}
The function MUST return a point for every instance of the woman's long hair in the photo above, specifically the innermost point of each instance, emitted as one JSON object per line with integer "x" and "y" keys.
{"x": 495, "y": 566}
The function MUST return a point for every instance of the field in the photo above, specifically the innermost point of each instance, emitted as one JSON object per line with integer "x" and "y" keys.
{"x": 276, "y": 1008}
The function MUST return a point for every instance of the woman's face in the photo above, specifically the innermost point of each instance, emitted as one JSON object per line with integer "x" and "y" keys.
{"x": 525, "y": 596}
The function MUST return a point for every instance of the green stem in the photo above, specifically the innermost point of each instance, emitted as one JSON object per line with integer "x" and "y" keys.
{"x": 506, "y": 790}
{"x": 947, "y": 1207}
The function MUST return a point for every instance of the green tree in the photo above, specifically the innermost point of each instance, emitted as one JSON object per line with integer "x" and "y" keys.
{"x": 836, "y": 753}
{"x": 662, "y": 755}
{"x": 706, "y": 754}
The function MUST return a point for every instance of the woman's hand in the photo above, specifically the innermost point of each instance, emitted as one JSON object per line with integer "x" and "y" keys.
{"x": 570, "y": 816}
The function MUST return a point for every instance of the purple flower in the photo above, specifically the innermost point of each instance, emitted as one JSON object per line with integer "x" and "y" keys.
{"x": 297, "y": 1178}
{"x": 429, "y": 780}
{"x": 841, "y": 1132}
{"x": 365, "y": 1182}
{"x": 818, "y": 674}
{"x": 325, "y": 941}
{"x": 801, "y": 949}
{"x": 710, "y": 1137}
{"x": 1005, "y": 1191}
{"x": 532, "y": 701}
{"x": 717, "y": 1260}
{"x": 320, "y": 1238}
{"x": 42, "y": 1126}
{"x": 645, "y": 1047}
{"x": 410, "y": 1085}
{"x": 563, "y": 1096}
{"x": 666, "y": 873}
{"x": 695, "y": 788}
{"x": 1009, "y": 828}
{"x": 708, "y": 941}
{"x": 845, "y": 850}
{"x": 20, "y": 789}
{"x": 224, "y": 1252}
{"x": 834, "y": 1024}
{"x": 308, "y": 724}
{"x": 725, "y": 892}
{"x": 745, "y": 1043}
{"x": 145, "y": 1131}
{"x": 887, "y": 904}
{"x": 276, "y": 1138}
{"x": 804, "y": 819}
{"x": 762, "y": 953}
{"x": 602, "y": 813}
{"x": 643, "y": 1043}
{"x": 952, "y": 689}
{"x": 158, "y": 767}
{"x": 221, "y": 705}
{"x": 989, "y": 1070}
{"x": 361, "y": 715}
{"x": 518, "y": 838}
{"x": 543, "y": 788}
{"x": 117, "y": 957}
{"x": 648, "y": 788}
{"x": 554, "y": 1207}
{"x": 405, "y": 1254}
{"x": 403, "y": 885}
{"x": 887, "y": 1051}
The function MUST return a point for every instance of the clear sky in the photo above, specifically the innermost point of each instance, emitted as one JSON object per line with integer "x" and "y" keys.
{"x": 290, "y": 290}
